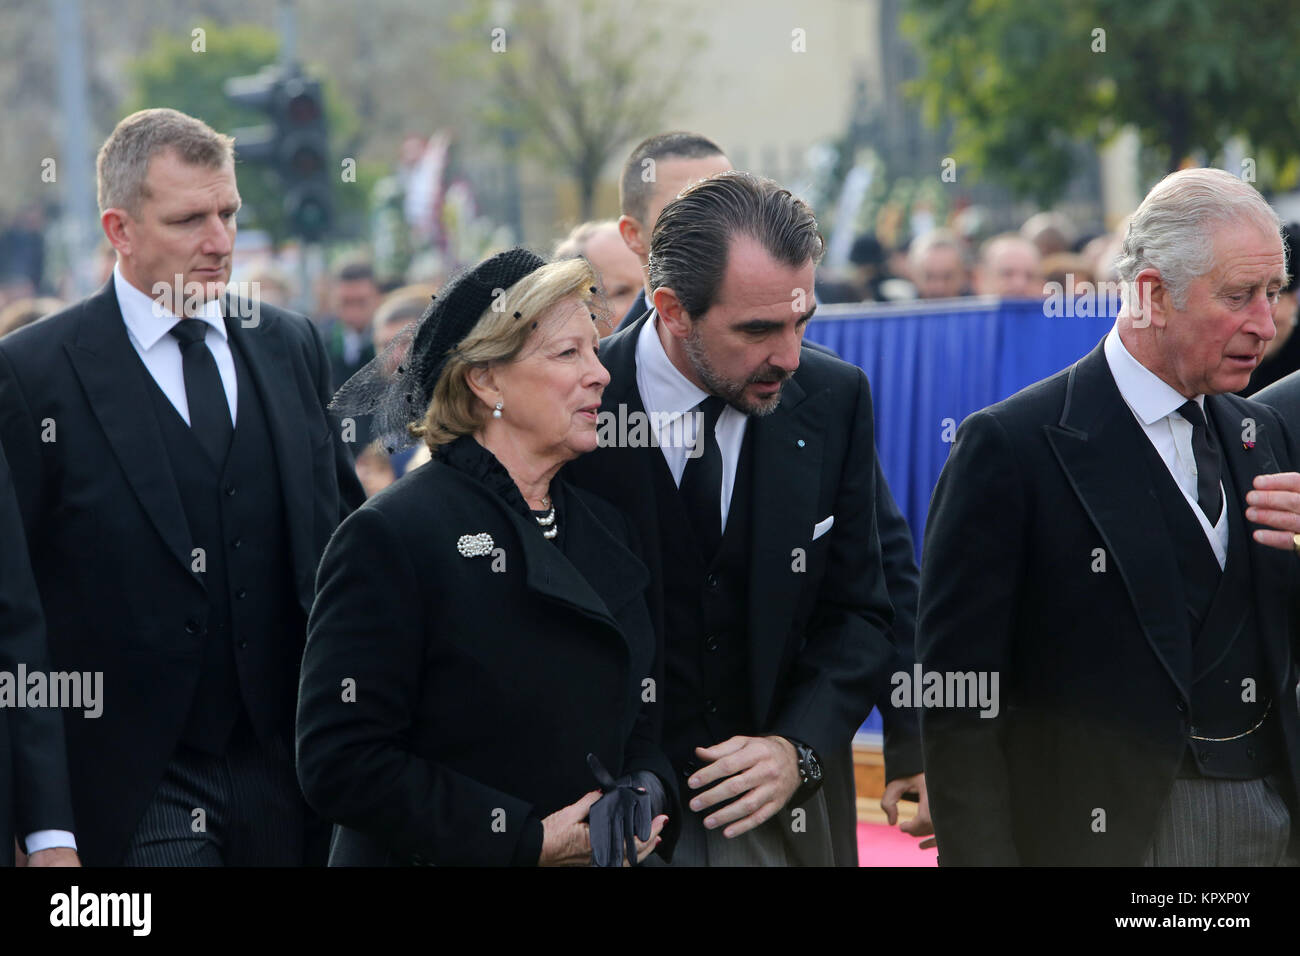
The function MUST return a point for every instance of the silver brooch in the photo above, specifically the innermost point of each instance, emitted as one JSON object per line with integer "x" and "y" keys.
{"x": 474, "y": 545}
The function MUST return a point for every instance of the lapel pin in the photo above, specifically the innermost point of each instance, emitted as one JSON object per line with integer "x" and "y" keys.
{"x": 474, "y": 545}
{"x": 1248, "y": 445}
{"x": 799, "y": 443}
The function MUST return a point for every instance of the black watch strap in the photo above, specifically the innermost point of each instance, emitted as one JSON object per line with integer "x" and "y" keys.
{"x": 810, "y": 770}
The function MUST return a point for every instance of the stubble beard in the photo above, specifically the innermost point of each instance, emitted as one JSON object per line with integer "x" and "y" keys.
{"x": 731, "y": 392}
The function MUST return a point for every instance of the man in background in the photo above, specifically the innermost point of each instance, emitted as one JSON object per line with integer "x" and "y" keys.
{"x": 354, "y": 297}
{"x": 618, "y": 269}
{"x": 657, "y": 170}
{"x": 937, "y": 262}
{"x": 1009, "y": 267}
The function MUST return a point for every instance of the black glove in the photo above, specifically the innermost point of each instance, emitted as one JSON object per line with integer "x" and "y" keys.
{"x": 627, "y": 808}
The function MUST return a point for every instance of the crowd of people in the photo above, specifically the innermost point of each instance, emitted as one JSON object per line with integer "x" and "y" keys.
{"x": 591, "y": 559}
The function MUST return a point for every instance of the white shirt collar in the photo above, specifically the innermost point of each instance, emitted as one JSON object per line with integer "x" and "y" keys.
{"x": 1150, "y": 396}
{"x": 148, "y": 320}
{"x": 663, "y": 388}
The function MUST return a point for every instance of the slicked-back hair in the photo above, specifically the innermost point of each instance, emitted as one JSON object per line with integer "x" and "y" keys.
{"x": 692, "y": 240}
{"x": 122, "y": 165}
{"x": 633, "y": 190}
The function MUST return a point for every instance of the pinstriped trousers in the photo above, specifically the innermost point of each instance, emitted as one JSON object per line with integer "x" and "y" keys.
{"x": 1209, "y": 822}
{"x": 252, "y": 811}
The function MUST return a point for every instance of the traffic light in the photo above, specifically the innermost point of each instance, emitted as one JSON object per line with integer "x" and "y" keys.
{"x": 295, "y": 143}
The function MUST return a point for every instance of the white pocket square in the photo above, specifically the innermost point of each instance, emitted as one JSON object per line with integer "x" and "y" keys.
{"x": 823, "y": 526}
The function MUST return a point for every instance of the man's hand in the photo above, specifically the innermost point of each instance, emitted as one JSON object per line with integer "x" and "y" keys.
{"x": 762, "y": 772}
{"x": 1275, "y": 503}
{"x": 54, "y": 856}
{"x": 919, "y": 825}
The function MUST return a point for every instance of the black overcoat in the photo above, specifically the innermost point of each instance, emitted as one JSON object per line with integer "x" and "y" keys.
{"x": 449, "y": 702}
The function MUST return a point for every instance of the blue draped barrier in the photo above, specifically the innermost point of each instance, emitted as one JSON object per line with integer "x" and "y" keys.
{"x": 932, "y": 364}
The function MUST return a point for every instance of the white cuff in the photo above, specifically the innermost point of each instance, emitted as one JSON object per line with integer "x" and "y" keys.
{"x": 49, "y": 840}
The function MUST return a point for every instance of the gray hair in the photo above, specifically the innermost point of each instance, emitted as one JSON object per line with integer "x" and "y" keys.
{"x": 1170, "y": 232}
{"x": 936, "y": 239}
{"x": 123, "y": 161}
{"x": 575, "y": 243}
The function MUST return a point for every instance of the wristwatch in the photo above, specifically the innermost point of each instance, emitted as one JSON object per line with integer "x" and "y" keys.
{"x": 810, "y": 771}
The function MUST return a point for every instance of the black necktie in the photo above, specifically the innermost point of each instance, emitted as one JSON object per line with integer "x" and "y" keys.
{"x": 701, "y": 485}
{"x": 206, "y": 396}
{"x": 1209, "y": 463}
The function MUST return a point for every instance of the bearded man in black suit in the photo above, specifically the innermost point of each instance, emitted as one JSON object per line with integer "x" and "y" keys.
{"x": 178, "y": 479}
{"x": 755, "y": 504}
{"x": 1090, "y": 559}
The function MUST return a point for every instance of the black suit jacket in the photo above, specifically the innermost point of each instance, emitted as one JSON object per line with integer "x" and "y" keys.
{"x": 481, "y": 683}
{"x": 638, "y": 308}
{"x": 1095, "y": 667}
{"x": 819, "y": 644}
{"x": 1284, "y": 396}
{"x": 34, "y": 792}
{"x": 107, "y": 534}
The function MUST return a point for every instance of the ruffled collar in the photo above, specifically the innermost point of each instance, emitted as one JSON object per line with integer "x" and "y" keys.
{"x": 470, "y": 458}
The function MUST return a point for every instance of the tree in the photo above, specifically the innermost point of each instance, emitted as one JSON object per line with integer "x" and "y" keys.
{"x": 574, "y": 82}
{"x": 1022, "y": 82}
{"x": 172, "y": 73}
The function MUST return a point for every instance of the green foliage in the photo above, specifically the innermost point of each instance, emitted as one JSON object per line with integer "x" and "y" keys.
{"x": 171, "y": 74}
{"x": 1021, "y": 81}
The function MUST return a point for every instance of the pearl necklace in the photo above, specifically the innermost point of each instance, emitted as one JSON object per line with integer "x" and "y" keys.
{"x": 547, "y": 521}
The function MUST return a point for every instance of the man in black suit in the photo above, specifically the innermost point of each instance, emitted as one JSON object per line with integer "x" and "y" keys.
{"x": 755, "y": 504}
{"x": 35, "y": 804}
{"x": 658, "y": 169}
{"x": 348, "y": 333}
{"x": 178, "y": 480}
{"x": 1108, "y": 647}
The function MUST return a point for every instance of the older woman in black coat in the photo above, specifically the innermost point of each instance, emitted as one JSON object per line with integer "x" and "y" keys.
{"x": 479, "y": 627}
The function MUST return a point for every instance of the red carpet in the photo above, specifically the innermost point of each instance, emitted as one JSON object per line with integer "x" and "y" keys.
{"x": 881, "y": 845}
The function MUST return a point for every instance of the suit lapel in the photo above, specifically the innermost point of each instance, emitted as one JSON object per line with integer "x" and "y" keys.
{"x": 1098, "y": 444}
{"x": 618, "y": 473}
{"x": 266, "y": 353}
{"x": 1270, "y": 569}
{"x": 554, "y": 577}
{"x": 787, "y": 449}
{"x": 105, "y": 362}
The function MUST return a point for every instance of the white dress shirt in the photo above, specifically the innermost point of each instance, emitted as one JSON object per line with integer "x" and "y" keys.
{"x": 1155, "y": 405}
{"x": 668, "y": 395}
{"x": 147, "y": 326}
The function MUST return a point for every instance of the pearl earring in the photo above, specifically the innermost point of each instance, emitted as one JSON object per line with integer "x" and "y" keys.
{"x": 496, "y": 412}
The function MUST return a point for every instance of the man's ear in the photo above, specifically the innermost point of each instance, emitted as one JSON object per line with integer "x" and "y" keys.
{"x": 669, "y": 307}
{"x": 114, "y": 223}
{"x": 1153, "y": 303}
{"x": 634, "y": 237}
{"x": 483, "y": 384}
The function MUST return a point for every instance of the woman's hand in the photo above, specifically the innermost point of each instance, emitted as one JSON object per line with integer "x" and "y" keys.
{"x": 566, "y": 840}
{"x": 643, "y": 850}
